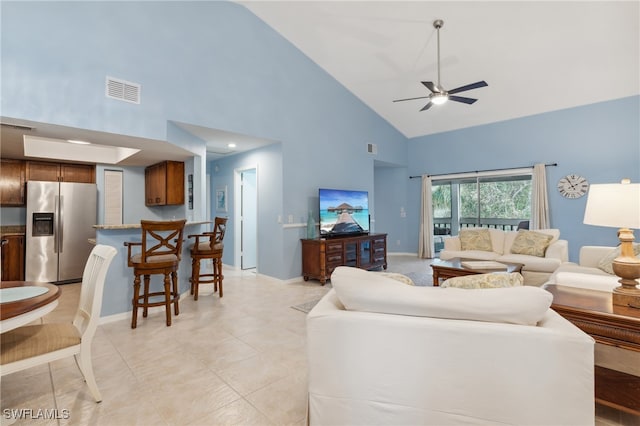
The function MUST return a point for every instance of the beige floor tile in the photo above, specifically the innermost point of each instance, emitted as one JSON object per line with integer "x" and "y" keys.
{"x": 239, "y": 412}
{"x": 189, "y": 398}
{"x": 253, "y": 373}
{"x": 24, "y": 390}
{"x": 284, "y": 401}
{"x": 218, "y": 355}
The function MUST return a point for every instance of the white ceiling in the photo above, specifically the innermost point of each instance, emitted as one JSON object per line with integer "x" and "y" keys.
{"x": 536, "y": 56}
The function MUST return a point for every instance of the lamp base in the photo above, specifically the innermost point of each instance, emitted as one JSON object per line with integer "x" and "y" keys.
{"x": 627, "y": 267}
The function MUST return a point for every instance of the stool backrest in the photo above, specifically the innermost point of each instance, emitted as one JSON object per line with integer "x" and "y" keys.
{"x": 219, "y": 229}
{"x": 161, "y": 238}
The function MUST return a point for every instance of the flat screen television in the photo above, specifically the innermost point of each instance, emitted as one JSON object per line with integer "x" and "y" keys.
{"x": 343, "y": 212}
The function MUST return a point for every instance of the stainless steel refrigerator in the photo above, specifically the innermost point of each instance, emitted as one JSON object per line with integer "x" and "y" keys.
{"x": 60, "y": 219}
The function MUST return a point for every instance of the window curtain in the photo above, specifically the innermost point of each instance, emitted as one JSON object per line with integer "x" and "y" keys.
{"x": 425, "y": 247}
{"x": 539, "y": 198}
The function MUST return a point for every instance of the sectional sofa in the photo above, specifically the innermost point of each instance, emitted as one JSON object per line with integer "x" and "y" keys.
{"x": 493, "y": 244}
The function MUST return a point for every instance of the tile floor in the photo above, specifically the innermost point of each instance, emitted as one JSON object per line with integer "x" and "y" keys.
{"x": 239, "y": 360}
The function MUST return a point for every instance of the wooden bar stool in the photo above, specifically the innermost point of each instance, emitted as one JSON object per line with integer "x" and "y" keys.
{"x": 208, "y": 245}
{"x": 161, "y": 247}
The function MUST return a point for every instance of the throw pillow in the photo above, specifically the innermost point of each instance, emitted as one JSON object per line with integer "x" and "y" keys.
{"x": 531, "y": 243}
{"x": 475, "y": 239}
{"x": 494, "y": 280}
{"x": 606, "y": 263}
{"x": 398, "y": 277}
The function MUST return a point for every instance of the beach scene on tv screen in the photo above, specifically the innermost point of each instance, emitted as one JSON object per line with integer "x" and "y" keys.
{"x": 343, "y": 212}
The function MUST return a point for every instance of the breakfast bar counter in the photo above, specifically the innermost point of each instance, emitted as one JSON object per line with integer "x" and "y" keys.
{"x": 137, "y": 225}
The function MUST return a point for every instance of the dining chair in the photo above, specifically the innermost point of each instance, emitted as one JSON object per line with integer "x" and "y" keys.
{"x": 32, "y": 345}
{"x": 208, "y": 245}
{"x": 160, "y": 252}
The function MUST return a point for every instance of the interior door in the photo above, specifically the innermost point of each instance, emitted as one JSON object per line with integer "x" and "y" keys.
{"x": 248, "y": 224}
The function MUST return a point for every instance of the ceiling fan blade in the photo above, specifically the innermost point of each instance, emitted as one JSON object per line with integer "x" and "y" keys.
{"x": 461, "y": 99}
{"x": 411, "y": 99}
{"x": 468, "y": 87}
{"x": 427, "y": 106}
{"x": 431, "y": 86}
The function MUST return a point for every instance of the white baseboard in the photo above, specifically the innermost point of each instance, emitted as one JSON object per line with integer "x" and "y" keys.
{"x": 402, "y": 254}
{"x": 127, "y": 315}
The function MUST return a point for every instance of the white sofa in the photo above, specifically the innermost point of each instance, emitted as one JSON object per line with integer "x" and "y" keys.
{"x": 536, "y": 270}
{"x": 586, "y": 273}
{"x": 397, "y": 355}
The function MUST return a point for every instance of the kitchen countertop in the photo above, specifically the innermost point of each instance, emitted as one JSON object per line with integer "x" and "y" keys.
{"x": 137, "y": 225}
{"x": 7, "y": 230}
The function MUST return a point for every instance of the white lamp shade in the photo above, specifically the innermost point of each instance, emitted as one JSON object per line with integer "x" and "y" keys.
{"x": 616, "y": 205}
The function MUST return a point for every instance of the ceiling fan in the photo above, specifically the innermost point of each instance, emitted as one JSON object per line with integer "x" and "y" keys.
{"x": 438, "y": 94}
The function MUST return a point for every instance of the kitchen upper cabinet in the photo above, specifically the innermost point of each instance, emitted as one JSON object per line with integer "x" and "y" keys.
{"x": 13, "y": 258}
{"x": 12, "y": 178}
{"x": 60, "y": 172}
{"x": 164, "y": 183}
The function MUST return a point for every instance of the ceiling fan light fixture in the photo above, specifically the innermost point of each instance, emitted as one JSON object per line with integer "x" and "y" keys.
{"x": 439, "y": 95}
{"x": 439, "y": 98}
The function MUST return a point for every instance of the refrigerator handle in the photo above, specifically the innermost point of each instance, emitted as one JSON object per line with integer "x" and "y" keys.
{"x": 56, "y": 221}
{"x": 61, "y": 225}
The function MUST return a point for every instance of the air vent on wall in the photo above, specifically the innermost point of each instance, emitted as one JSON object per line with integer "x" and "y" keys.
{"x": 372, "y": 148}
{"x": 122, "y": 90}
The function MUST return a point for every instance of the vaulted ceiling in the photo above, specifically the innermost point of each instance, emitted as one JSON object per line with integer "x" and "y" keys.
{"x": 536, "y": 56}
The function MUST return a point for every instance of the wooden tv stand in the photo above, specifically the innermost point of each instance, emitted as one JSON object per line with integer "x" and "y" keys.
{"x": 320, "y": 256}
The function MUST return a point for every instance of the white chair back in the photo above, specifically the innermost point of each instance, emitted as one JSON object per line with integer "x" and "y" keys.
{"x": 93, "y": 278}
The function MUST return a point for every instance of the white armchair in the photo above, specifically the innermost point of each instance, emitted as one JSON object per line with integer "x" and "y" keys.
{"x": 398, "y": 356}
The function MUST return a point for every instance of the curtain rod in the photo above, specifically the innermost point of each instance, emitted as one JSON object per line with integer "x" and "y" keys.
{"x": 488, "y": 170}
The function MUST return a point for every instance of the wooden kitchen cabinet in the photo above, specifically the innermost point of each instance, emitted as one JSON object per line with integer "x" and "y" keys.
{"x": 12, "y": 178}
{"x": 164, "y": 183}
{"x": 321, "y": 256}
{"x": 60, "y": 172}
{"x": 13, "y": 258}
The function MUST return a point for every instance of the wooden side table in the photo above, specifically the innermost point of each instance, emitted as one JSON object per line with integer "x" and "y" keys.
{"x": 619, "y": 326}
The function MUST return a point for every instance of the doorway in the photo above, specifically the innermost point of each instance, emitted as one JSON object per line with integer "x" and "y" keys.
{"x": 246, "y": 195}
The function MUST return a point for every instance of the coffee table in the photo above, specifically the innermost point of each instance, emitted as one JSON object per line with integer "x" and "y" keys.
{"x": 453, "y": 268}
{"x": 593, "y": 312}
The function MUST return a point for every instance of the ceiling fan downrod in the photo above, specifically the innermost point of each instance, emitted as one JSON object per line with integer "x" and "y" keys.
{"x": 437, "y": 24}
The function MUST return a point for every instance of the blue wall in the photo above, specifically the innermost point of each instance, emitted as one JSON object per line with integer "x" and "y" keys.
{"x": 214, "y": 64}
{"x": 600, "y": 142}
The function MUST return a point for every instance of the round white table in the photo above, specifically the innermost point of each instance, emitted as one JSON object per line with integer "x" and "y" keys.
{"x": 22, "y": 302}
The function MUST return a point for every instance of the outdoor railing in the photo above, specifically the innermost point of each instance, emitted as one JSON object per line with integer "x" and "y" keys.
{"x": 442, "y": 226}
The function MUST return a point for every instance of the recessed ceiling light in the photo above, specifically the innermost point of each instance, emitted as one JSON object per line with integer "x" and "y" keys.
{"x": 77, "y": 142}
{"x": 231, "y": 145}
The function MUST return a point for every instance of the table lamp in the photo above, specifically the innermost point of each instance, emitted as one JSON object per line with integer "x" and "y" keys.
{"x": 618, "y": 205}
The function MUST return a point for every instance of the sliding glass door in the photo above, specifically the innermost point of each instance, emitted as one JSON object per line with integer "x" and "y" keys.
{"x": 501, "y": 202}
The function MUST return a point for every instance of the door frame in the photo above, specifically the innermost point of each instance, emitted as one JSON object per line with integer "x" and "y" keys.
{"x": 237, "y": 200}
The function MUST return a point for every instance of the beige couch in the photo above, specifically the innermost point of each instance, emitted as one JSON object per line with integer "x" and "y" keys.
{"x": 381, "y": 352}
{"x": 586, "y": 274}
{"x": 536, "y": 270}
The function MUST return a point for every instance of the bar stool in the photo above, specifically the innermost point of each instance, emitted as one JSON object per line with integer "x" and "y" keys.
{"x": 161, "y": 247}
{"x": 208, "y": 245}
